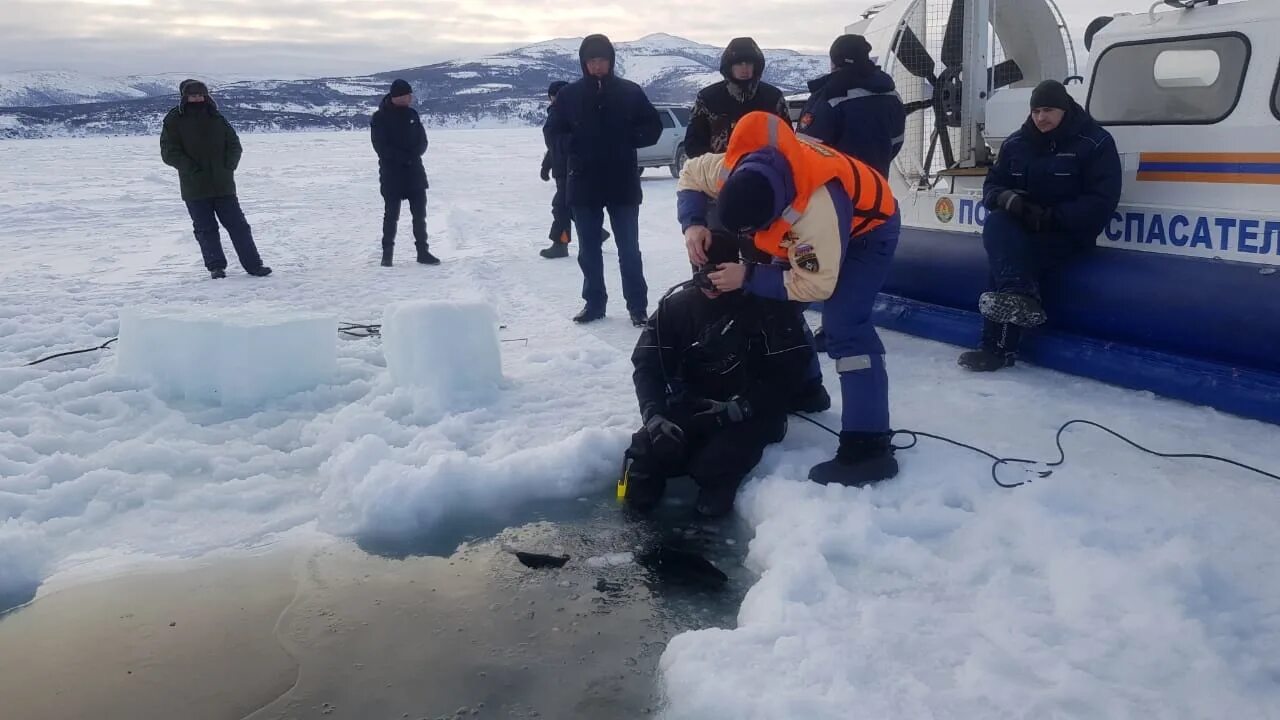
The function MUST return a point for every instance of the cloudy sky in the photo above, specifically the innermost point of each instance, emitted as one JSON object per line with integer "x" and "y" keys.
{"x": 279, "y": 38}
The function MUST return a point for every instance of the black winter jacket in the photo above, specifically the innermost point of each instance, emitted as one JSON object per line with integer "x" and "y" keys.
{"x": 400, "y": 141}
{"x": 601, "y": 122}
{"x": 734, "y": 345}
{"x": 720, "y": 106}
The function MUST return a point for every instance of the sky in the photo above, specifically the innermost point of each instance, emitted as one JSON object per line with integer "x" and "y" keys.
{"x": 308, "y": 38}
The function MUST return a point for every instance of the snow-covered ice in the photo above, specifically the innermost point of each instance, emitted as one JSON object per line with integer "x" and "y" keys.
{"x": 236, "y": 357}
{"x": 1123, "y": 586}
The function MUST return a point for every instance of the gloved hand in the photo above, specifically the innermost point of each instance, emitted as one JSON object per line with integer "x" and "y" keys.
{"x": 1011, "y": 201}
{"x": 546, "y": 174}
{"x": 711, "y": 415}
{"x": 666, "y": 437}
{"x": 1034, "y": 217}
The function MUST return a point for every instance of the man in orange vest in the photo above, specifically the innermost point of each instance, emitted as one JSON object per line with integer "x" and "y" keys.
{"x": 831, "y": 224}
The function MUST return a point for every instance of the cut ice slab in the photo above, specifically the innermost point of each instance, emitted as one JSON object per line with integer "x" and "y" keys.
{"x": 449, "y": 347}
{"x": 241, "y": 357}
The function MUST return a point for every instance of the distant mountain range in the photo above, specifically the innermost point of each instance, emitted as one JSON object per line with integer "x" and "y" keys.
{"x": 498, "y": 90}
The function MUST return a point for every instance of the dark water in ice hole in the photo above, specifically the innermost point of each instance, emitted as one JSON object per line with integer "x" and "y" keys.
{"x": 451, "y": 625}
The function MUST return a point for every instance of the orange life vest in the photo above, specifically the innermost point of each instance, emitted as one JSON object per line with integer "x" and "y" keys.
{"x": 812, "y": 166}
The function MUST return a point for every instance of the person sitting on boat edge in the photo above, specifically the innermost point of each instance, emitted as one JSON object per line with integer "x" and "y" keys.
{"x": 715, "y": 373}
{"x": 1050, "y": 194}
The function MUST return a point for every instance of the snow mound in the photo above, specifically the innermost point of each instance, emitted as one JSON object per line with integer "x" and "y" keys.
{"x": 229, "y": 357}
{"x": 938, "y": 596}
{"x": 451, "y": 349}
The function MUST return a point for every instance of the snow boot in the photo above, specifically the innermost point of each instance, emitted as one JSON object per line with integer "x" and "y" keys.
{"x": 589, "y": 314}
{"x": 387, "y": 252}
{"x": 260, "y": 271}
{"x": 639, "y": 319}
{"x": 864, "y": 458}
{"x": 217, "y": 274}
{"x": 1021, "y": 310}
{"x": 814, "y": 398}
{"x": 425, "y": 257}
{"x": 557, "y": 250}
{"x": 999, "y": 348}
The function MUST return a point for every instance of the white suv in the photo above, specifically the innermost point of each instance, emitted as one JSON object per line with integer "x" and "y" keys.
{"x": 669, "y": 150}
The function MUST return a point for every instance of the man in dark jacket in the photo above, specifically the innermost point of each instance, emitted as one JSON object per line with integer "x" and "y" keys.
{"x": 1052, "y": 191}
{"x": 603, "y": 119}
{"x": 856, "y": 109}
{"x": 714, "y": 374}
{"x": 555, "y": 164}
{"x": 720, "y": 106}
{"x": 400, "y": 141}
{"x": 202, "y": 145}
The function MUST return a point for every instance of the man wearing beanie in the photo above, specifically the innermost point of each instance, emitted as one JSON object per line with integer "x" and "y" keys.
{"x": 200, "y": 143}
{"x": 602, "y": 119}
{"x": 400, "y": 141}
{"x": 1052, "y": 191}
{"x": 830, "y": 223}
{"x": 856, "y": 108}
{"x": 721, "y": 105}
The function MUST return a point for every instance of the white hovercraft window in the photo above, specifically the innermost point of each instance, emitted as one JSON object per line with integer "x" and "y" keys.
{"x": 1185, "y": 81}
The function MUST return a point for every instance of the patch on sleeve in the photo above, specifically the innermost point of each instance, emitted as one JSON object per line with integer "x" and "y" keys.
{"x": 807, "y": 259}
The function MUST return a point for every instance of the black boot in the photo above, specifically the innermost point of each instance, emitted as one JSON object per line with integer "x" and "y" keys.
{"x": 814, "y": 398}
{"x": 589, "y": 314}
{"x": 260, "y": 271}
{"x": 639, "y": 318}
{"x": 425, "y": 257}
{"x": 644, "y": 490}
{"x": 387, "y": 252}
{"x": 999, "y": 348}
{"x": 217, "y": 274}
{"x": 864, "y": 458}
{"x": 557, "y": 250}
{"x": 1022, "y": 310}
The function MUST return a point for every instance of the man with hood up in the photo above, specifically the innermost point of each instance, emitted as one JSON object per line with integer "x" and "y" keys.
{"x": 199, "y": 142}
{"x": 400, "y": 142}
{"x": 716, "y": 111}
{"x": 602, "y": 119}
{"x": 721, "y": 105}
{"x": 856, "y": 108}
{"x": 1051, "y": 193}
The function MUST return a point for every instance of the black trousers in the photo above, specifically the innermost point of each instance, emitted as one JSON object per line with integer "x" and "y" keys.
{"x": 205, "y": 215}
{"x": 561, "y": 216}
{"x": 391, "y": 218}
{"x": 720, "y": 459}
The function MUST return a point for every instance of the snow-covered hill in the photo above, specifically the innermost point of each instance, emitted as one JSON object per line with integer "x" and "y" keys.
{"x": 496, "y": 90}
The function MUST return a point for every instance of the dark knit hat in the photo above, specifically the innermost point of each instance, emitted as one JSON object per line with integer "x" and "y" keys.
{"x": 850, "y": 50}
{"x": 746, "y": 201}
{"x": 400, "y": 88}
{"x": 193, "y": 87}
{"x": 1051, "y": 94}
{"x": 554, "y": 88}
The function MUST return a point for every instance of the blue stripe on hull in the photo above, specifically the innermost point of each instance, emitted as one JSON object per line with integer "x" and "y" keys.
{"x": 1209, "y": 167}
{"x": 1203, "y": 331}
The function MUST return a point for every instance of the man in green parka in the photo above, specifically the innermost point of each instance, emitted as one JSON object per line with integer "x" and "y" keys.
{"x": 202, "y": 145}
